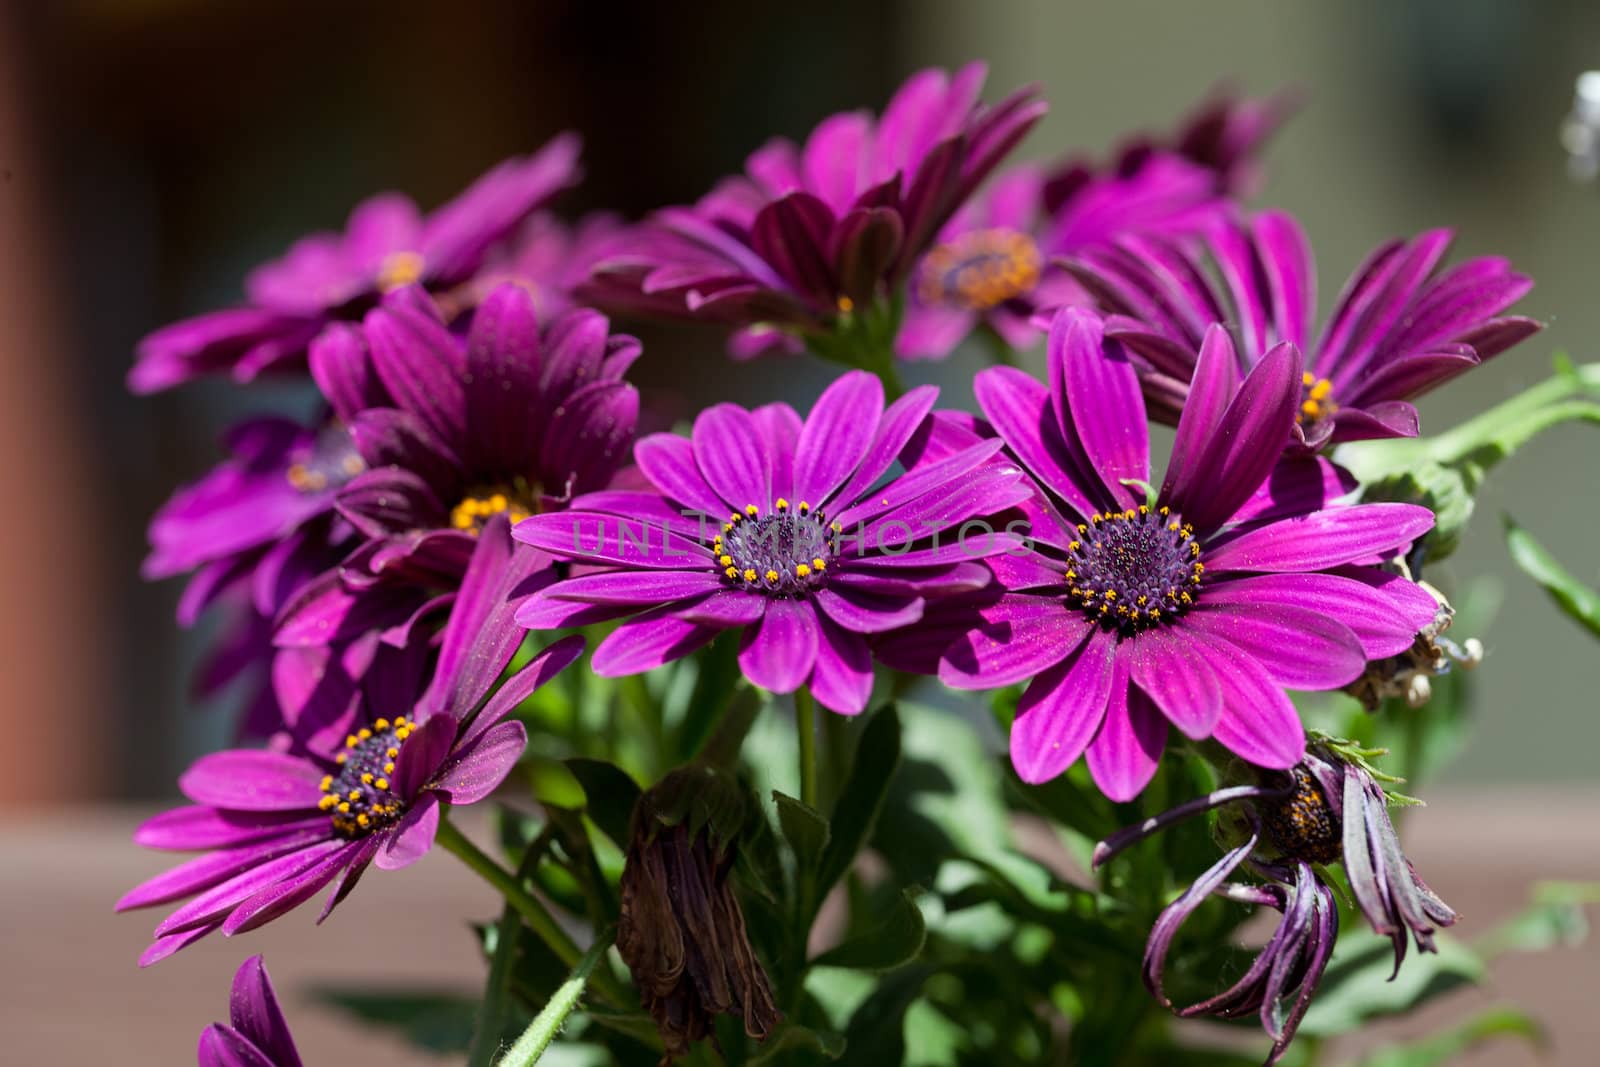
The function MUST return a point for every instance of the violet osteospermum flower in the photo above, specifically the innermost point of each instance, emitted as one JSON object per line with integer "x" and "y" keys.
{"x": 511, "y": 419}
{"x": 276, "y": 826}
{"x": 547, "y": 257}
{"x": 1195, "y": 608}
{"x": 332, "y": 276}
{"x": 782, "y": 529}
{"x": 256, "y": 1034}
{"x": 1329, "y": 808}
{"x": 255, "y": 530}
{"x": 809, "y": 233}
{"x": 1397, "y": 331}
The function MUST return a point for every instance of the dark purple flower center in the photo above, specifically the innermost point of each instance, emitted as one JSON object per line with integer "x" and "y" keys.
{"x": 979, "y": 270}
{"x": 1132, "y": 569}
{"x": 480, "y": 503}
{"x": 327, "y": 463}
{"x": 1303, "y": 824}
{"x": 1316, "y": 400}
{"x": 360, "y": 796}
{"x": 783, "y": 554}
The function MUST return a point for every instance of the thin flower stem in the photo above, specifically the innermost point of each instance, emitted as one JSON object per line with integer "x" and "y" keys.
{"x": 534, "y": 913}
{"x": 492, "y": 1013}
{"x": 533, "y": 1042}
{"x": 805, "y": 725}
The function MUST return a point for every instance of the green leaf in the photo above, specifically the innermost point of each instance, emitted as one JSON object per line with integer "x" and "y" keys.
{"x": 1356, "y": 986}
{"x": 1445, "y": 1047}
{"x": 806, "y": 831}
{"x": 1577, "y": 600}
{"x": 439, "y": 1022}
{"x": 856, "y": 812}
{"x": 610, "y": 795}
{"x": 1554, "y": 918}
{"x": 896, "y": 941}
{"x": 548, "y": 1023}
{"x": 792, "y": 1037}
{"x": 876, "y": 1034}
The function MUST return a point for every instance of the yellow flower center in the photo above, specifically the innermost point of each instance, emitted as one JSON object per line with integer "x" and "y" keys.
{"x": 980, "y": 270}
{"x": 399, "y": 268}
{"x": 515, "y": 501}
{"x": 1316, "y": 399}
{"x": 360, "y": 797}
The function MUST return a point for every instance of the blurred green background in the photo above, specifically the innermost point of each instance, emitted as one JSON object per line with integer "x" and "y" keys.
{"x": 156, "y": 149}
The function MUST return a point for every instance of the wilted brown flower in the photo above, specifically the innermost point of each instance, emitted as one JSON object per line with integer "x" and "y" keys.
{"x": 682, "y": 932}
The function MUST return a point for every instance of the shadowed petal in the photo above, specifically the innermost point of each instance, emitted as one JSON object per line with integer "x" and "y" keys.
{"x": 479, "y": 766}
{"x": 647, "y": 642}
{"x": 1125, "y": 753}
{"x": 253, "y": 1009}
{"x": 842, "y": 678}
{"x": 412, "y": 836}
{"x": 836, "y": 436}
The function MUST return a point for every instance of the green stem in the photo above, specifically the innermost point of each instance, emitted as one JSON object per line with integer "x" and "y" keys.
{"x": 533, "y": 912}
{"x": 805, "y": 725}
{"x": 492, "y": 1013}
{"x": 537, "y": 1037}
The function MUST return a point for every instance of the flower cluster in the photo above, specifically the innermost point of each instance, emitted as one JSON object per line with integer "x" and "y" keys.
{"x": 471, "y": 481}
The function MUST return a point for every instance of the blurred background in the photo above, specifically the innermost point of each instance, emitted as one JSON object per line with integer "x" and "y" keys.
{"x": 152, "y": 151}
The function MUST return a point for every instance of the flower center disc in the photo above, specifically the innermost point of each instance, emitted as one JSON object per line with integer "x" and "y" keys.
{"x": 360, "y": 797}
{"x": 481, "y": 503}
{"x": 399, "y": 268}
{"x": 1316, "y": 400}
{"x": 1303, "y": 825}
{"x": 784, "y": 553}
{"x": 1132, "y": 569}
{"x": 330, "y": 462}
{"x": 980, "y": 270}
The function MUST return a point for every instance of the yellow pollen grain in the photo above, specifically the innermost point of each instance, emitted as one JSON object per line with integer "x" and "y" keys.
{"x": 772, "y": 576}
{"x": 388, "y": 768}
{"x": 380, "y": 724}
{"x": 801, "y": 570}
{"x": 819, "y": 564}
{"x": 750, "y": 574}
{"x": 751, "y": 510}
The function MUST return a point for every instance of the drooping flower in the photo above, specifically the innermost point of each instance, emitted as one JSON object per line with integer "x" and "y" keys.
{"x": 1329, "y": 808}
{"x": 255, "y": 530}
{"x": 782, "y": 529}
{"x": 809, "y": 234}
{"x": 1397, "y": 331}
{"x": 277, "y": 825}
{"x": 1194, "y": 607}
{"x": 996, "y": 261}
{"x": 511, "y": 419}
{"x": 328, "y": 277}
{"x": 256, "y": 1034}
{"x": 681, "y": 931}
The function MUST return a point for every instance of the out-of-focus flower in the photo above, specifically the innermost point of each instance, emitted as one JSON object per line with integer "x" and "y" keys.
{"x": 327, "y": 277}
{"x": 548, "y": 257}
{"x": 511, "y": 419}
{"x": 278, "y": 825}
{"x": 1329, "y": 808}
{"x": 255, "y": 531}
{"x": 256, "y": 1034}
{"x": 1397, "y": 331}
{"x": 682, "y": 932}
{"x": 996, "y": 261}
{"x": 1195, "y": 605}
{"x": 809, "y": 235}
{"x": 782, "y": 529}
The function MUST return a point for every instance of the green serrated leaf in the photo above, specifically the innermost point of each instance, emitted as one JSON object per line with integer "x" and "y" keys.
{"x": 894, "y": 942}
{"x": 1356, "y": 987}
{"x": 609, "y": 796}
{"x": 1577, "y": 600}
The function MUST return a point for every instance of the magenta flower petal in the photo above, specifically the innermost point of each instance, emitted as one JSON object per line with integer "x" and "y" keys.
{"x": 732, "y": 456}
{"x": 288, "y": 893}
{"x": 479, "y": 766}
{"x": 842, "y": 678}
{"x": 779, "y": 653}
{"x": 646, "y": 643}
{"x": 1258, "y": 723}
{"x": 223, "y": 1047}
{"x": 1017, "y": 638}
{"x": 1124, "y": 755}
{"x": 254, "y": 1013}
{"x": 1216, "y": 381}
{"x": 1062, "y": 709}
{"x": 668, "y": 461}
{"x": 1180, "y": 681}
{"x": 836, "y": 436}
{"x": 1324, "y": 538}
{"x": 412, "y": 836}
{"x": 1300, "y": 648}
{"x": 247, "y": 780}
{"x": 1103, "y": 395}
{"x": 867, "y": 613}
{"x": 1385, "y": 622}
{"x": 780, "y": 428}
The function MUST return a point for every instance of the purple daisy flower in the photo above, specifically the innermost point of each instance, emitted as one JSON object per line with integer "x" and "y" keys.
{"x": 810, "y": 233}
{"x": 255, "y": 530}
{"x": 1329, "y": 808}
{"x": 509, "y": 419}
{"x": 786, "y": 530}
{"x": 331, "y": 276}
{"x": 1397, "y": 331}
{"x": 547, "y": 257}
{"x": 256, "y": 1034}
{"x": 1195, "y": 608}
{"x": 278, "y": 825}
